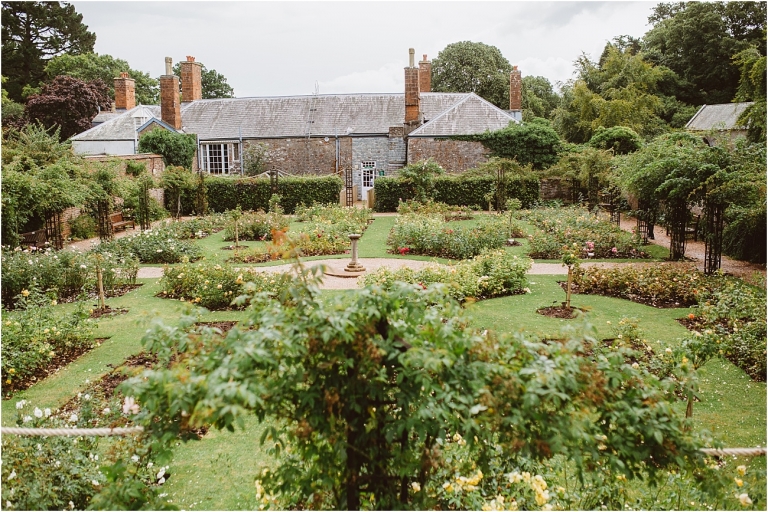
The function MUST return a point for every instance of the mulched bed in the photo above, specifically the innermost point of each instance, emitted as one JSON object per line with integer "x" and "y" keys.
{"x": 559, "y": 312}
{"x": 224, "y": 325}
{"x": 117, "y": 291}
{"x": 107, "y": 384}
{"x": 108, "y": 311}
{"x": 640, "y": 299}
{"x": 61, "y": 360}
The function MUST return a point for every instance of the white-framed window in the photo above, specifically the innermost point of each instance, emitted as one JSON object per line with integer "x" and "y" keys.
{"x": 220, "y": 157}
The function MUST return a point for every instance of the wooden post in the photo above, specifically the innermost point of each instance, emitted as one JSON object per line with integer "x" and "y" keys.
{"x": 102, "y": 302}
{"x": 568, "y": 287}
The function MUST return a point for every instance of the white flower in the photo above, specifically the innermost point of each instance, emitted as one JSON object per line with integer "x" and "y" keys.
{"x": 130, "y": 406}
{"x": 135, "y": 458}
{"x": 20, "y": 404}
{"x": 73, "y": 418}
{"x": 83, "y": 266}
{"x": 416, "y": 486}
{"x": 86, "y": 397}
{"x": 106, "y": 410}
{"x": 744, "y": 499}
{"x": 27, "y": 419}
{"x": 47, "y": 412}
{"x": 159, "y": 250}
{"x": 95, "y": 483}
{"x": 71, "y": 505}
{"x": 12, "y": 475}
{"x": 161, "y": 481}
{"x": 150, "y": 464}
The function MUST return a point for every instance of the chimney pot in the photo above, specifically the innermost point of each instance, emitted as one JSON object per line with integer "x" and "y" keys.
{"x": 190, "y": 58}
{"x": 411, "y": 53}
{"x": 425, "y": 57}
{"x": 168, "y": 66}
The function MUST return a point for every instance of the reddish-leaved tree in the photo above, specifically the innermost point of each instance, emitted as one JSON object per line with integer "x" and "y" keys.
{"x": 69, "y": 103}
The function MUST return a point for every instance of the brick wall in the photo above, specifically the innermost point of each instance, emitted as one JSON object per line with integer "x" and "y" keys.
{"x": 452, "y": 155}
{"x": 154, "y": 162}
{"x": 412, "y": 96}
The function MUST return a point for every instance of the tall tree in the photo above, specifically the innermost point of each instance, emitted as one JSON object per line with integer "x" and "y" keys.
{"x": 698, "y": 39}
{"x": 68, "y": 103}
{"x": 214, "y": 84}
{"x": 539, "y": 99}
{"x": 473, "y": 67}
{"x": 90, "y": 66}
{"x": 752, "y": 87}
{"x": 35, "y": 32}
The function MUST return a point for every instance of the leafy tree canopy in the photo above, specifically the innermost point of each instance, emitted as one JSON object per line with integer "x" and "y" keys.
{"x": 214, "y": 84}
{"x": 176, "y": 148}
{"x": 539, "y": 99}
{"x": 35, "y": 32}
{"x": 622, "y": 91}
{"x": 69, "y": 103}
{"x": 697, "y": 41}
{"x": 620, "y": 139}
{"x": 752, "y": 87}
{"x": 92, "y": 66}
{"x": 533, "y": 143}
{"x": 473, "y": 67}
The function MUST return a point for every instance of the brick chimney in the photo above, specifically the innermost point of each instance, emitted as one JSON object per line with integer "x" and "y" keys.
{"x": 191, "y": 80}
{"x": 515, "y": 90}
{"x": 170, "y": 108}
{"x": 125, "y": 92}
{"x": 411, "y": 93}
{"x": 425, "y": 75}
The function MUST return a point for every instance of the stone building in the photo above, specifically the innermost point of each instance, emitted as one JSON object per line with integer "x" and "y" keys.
{"x": 370, "y": 135}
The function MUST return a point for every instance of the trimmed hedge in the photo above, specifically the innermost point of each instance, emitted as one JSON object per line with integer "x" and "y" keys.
{"x": 457, "y": 191}
{"x": 227, "y": 193}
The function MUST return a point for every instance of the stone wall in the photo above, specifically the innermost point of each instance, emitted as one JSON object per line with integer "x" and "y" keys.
{"x": 302, "y": 156}
{"x": 374, "y": 149}
{"x": 154, "y": 162}
{"x": 397, "y": 150}
{"x": 452, "y": 155}
{"x": 555, "y": 188}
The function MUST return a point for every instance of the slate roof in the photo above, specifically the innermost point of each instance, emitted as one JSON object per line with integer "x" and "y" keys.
{"x": 333, "y": 114}
{"x": 718, "y": 117}
{"x": 471, "y": 115}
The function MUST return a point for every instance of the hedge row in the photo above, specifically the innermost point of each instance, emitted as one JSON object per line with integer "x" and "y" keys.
{"x": 457, "y": 191}
{"x": 227, "y": 193}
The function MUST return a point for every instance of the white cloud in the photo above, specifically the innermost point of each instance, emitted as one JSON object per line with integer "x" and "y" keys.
{"x": 389, "y": 78}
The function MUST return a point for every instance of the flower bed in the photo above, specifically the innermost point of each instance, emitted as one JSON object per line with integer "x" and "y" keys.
{"x": 661, "y": 286}
{"x": 448, "y": 212}
{"x": 430, "y": 236}
{"x": 325, "y": 230}
{"x": 493, "y": 273}
{"x": 199, "y": 227}
{"x": 559, "y": 227}
{"x": 35, "y": 336}
{"x": 154, "y": 246}
{"x": 255, "y": 226}
{"x": 64, "y": 273}
{"x": 215, "y": 286}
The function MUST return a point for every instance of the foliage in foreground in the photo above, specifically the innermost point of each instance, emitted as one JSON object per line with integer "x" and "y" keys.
{"x": 154, "y": 246}
{"x": 492, "y": 273}
{"x": 367, "y": 389}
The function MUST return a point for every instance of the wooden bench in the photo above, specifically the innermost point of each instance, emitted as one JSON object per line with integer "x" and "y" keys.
{"x": 34, "y": 238}
{"x": 117, "y": 221}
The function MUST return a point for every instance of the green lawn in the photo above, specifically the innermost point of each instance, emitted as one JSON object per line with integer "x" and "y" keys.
{"x": 218, "y": 472}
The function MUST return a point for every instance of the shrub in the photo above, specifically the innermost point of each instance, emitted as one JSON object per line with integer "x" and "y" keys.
{"x": 227, "y": 193}
{"x": 199, "y": 227}
{"x": 35, "y": 335}
{"x": 154, "y": 246}
{"x": 620, "y": 139}
{"x": 430, "y": 235}
{"x": 431, "y": 207}
{"x": 83, "y": 226}
{"x": 492, "y": 273}
{"x": 420, "y": 178}
{"x": 177, "y": 149}
{"x": 216, "y": 286}
{"x": 458, "y": 190}
{"x": 563, "y": 227}
{"x": 63, "y": 273}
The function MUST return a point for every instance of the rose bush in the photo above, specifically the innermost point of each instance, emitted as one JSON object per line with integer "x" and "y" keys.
{"x": 160, "y": 245}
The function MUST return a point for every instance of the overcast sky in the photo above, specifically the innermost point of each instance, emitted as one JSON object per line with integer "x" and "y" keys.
{"x": 284, "y": 48}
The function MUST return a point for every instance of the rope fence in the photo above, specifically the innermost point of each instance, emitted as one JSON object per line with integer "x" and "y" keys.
{"x": 47, "y": 432}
